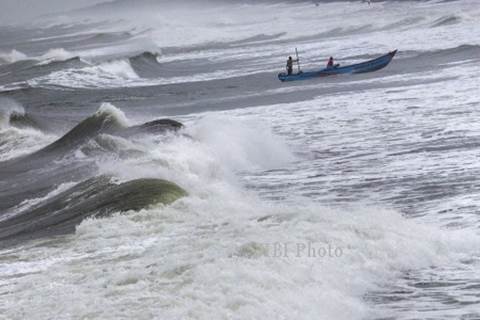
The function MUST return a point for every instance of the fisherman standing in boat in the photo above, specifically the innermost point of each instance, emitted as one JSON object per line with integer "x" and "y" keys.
{"x": 290, "y": 62}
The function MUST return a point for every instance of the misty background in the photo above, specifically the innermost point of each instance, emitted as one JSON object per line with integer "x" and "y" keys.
{"x": 21, "y": 11}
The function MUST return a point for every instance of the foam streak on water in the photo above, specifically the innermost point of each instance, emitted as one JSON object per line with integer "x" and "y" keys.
{"x": 155, "y": 168}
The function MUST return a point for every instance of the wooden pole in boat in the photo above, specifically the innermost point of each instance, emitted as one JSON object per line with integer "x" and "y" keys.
{"x": 298, "y": 60}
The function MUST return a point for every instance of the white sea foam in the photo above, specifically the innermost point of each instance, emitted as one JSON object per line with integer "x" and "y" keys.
{"x": 212, "y": 254}
{"x": 12, "y": 56}
{"x": 220, "y": 252}
{"x": 240, "y": 144}
{"x": 121, "y": 74}
{"x": 120, "y": 68}
{"x": 15, "y": 142}
{"x": 57, "y": 54}
{"x": 109, "y": 109}
{"x": 115, "y": 73}
{"x": 7, "y": 108}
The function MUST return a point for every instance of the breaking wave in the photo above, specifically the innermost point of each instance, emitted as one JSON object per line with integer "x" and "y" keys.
{"x": 233, "y": 229}
{"x": 107, "y": 119}
{"x": 73, "y": 157}
{"x": 12, "y": 56}
{"x": 146, "y": 64}
{"x": 95, "y": 197}
{"x": 56, "y": 54}
{"x": 188, "y": 212}
{"x": 12, "y": 114}
{"x": 21, "y": 72}
{"x": 19, "y": 132}
{"x": 9, "y": 109}
{"x": 109, "y": 74}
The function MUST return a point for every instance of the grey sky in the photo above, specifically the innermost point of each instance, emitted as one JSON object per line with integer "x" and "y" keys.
{"x": 18, "y": 11}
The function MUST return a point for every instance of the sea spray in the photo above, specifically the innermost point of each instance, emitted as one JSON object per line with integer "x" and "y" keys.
{"x": 9, "y": 107}
{"x": 12, "y": 56}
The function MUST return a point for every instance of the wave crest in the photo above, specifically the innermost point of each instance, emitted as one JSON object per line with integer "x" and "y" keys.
{"x": 146, "y": 64}
{"x": 57, "y": 54}
{"x": 95, "y": 197}
{"x": 12, "y": 56}
{"x": 106, "y": 120}
{"x": 446, "y": 20}
{"x": 12, "y": 114}
{"x": 115, "y": 73}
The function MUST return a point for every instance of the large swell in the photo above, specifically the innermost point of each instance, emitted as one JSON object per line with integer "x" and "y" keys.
{"x": 155, "y": 168}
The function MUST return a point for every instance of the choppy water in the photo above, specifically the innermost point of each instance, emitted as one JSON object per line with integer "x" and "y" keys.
{"x": 349, "y": 197}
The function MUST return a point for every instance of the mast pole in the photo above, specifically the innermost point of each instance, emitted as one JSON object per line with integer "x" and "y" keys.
{"x": 298, "y": 60}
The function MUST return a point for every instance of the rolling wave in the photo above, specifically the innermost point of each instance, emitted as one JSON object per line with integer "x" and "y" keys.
{"x": 446, "y": 21}
{"x": 404, "y": 23}
{"x": 146, "y": 64}
{"x": 460, "y": 52}
{"x": 412, "y": 61}
{"x": 95, "y": 197}
{"x": 442, "y": 57}
{"x": 12, "y": 114}
{"x": 57, "y": 54}
{"x": 73, "y": 156}
{"x": 52, "y": 55}
{"x": 382, "y": 138}
{"x": 115, "y": 73}
{"x": 107, "y": 119}
{"x": 21, "y": 72}
{"x": 160, "y": 126}
{"x": 20, "y": 133}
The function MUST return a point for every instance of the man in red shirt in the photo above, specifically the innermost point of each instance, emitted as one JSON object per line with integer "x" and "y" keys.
{"x": 330, "y": 63}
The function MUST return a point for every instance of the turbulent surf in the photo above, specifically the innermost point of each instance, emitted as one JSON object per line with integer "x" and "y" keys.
{"x": 152, "y": 166}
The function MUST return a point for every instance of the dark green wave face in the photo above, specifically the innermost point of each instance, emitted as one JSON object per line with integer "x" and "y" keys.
{"x": 137, "y": 194}
{"x": 104, "y": 123}
{"x": 36, "y": 174}
{"x": 89, "y": 128}
{"x": 95, "y": 197}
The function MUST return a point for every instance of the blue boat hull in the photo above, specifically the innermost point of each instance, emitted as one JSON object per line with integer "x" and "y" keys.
{"x": 367, "y": 66}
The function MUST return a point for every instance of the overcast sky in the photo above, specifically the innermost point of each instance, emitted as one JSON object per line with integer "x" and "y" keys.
{"x": 12, "y": 11}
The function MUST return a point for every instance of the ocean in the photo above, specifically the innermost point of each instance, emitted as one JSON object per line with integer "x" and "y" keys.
{"x": 152, "y": 165}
